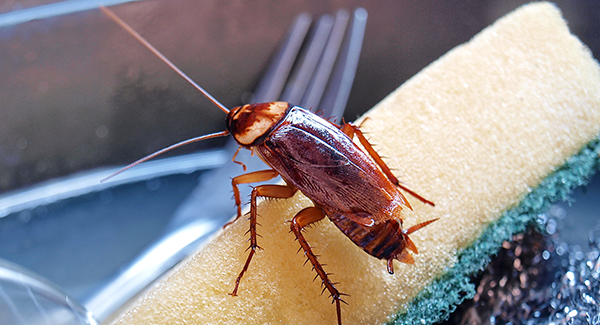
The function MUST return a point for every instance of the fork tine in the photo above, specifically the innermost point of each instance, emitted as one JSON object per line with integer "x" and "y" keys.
{"x": 315, "y": 91}
{"x": 309, "y": 58}
{"x": 336, "y": 97}
{"x": 272, "y": 83}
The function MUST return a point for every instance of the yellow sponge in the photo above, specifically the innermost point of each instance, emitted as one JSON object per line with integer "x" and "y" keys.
{"x": 475, "y": 132}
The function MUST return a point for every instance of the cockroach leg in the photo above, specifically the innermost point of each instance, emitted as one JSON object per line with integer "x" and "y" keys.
{"x": 301, "y": 220}
{"x": 271, "y": 191}
{"x": 390, "y": 266}
{"x": 350, "y": 129}
{"x": 253, "y": 177}
{"x": 238, "y": 162}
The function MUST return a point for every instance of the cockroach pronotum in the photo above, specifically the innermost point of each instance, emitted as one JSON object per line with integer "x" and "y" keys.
{"x": 354, "y": 188}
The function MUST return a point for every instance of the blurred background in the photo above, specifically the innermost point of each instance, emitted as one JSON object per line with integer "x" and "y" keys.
{"x": 78, "y": 94}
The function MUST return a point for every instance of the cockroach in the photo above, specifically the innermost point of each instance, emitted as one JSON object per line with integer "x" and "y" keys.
{"x": 355, "y": 189}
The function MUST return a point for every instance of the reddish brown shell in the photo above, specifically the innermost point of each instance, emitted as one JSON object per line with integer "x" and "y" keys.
{"x": 320, "y": 160}
{"x": 330, "y": 169}
{"x": 384, "y": 240}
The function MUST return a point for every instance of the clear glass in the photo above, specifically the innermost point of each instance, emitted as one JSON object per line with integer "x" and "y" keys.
{"x": 26, "y": 298}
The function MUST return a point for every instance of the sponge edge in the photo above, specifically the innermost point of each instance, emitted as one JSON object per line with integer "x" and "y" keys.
{"x": 478, "y": 132}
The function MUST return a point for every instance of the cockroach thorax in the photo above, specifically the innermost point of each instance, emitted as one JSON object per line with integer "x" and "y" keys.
{"x": 250, "y": 122}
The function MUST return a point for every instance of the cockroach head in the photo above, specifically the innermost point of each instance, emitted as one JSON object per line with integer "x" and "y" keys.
{"x": 250, "y": 123}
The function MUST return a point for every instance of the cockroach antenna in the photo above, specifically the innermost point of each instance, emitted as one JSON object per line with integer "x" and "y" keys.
{"x": 147, "y": 44}
{"x": 169, "y": 148}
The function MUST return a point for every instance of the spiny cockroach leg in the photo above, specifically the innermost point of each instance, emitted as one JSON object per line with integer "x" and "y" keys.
{"x": 271, "y": 191}
{"x": 351, "y": 130}
{"x": 304, "y": 218}
{"x": 253, "y": 177}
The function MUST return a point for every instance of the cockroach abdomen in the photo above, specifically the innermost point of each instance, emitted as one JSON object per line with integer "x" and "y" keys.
{"x": 384, "y": 239}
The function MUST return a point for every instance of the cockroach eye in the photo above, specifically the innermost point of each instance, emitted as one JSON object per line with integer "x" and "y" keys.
{"x": 249, "y": 122}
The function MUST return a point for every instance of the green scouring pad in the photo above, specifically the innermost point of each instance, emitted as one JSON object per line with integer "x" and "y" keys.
{"x": 439, "y": 298}
{"x": 492, "y": 132}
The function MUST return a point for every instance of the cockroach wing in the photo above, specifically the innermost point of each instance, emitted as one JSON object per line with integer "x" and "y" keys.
{"x": 329, "y": 168}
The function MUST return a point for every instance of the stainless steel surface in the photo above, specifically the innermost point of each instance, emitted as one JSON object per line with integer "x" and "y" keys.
{"x": 86, "y": 182}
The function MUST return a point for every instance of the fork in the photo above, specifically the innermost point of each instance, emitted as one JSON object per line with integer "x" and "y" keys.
{"x": 314, "y": 69}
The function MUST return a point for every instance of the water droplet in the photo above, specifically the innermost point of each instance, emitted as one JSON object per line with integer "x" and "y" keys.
{"x": 153, "y": 184}
{"x": 21, "y": 144}
{"x": 24, "y": 216}
{"x": 102, "y": 132}
{"x": 571, "y": 277}
{"x": 546, "y": 255}
{"x": 551, "y": 227}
